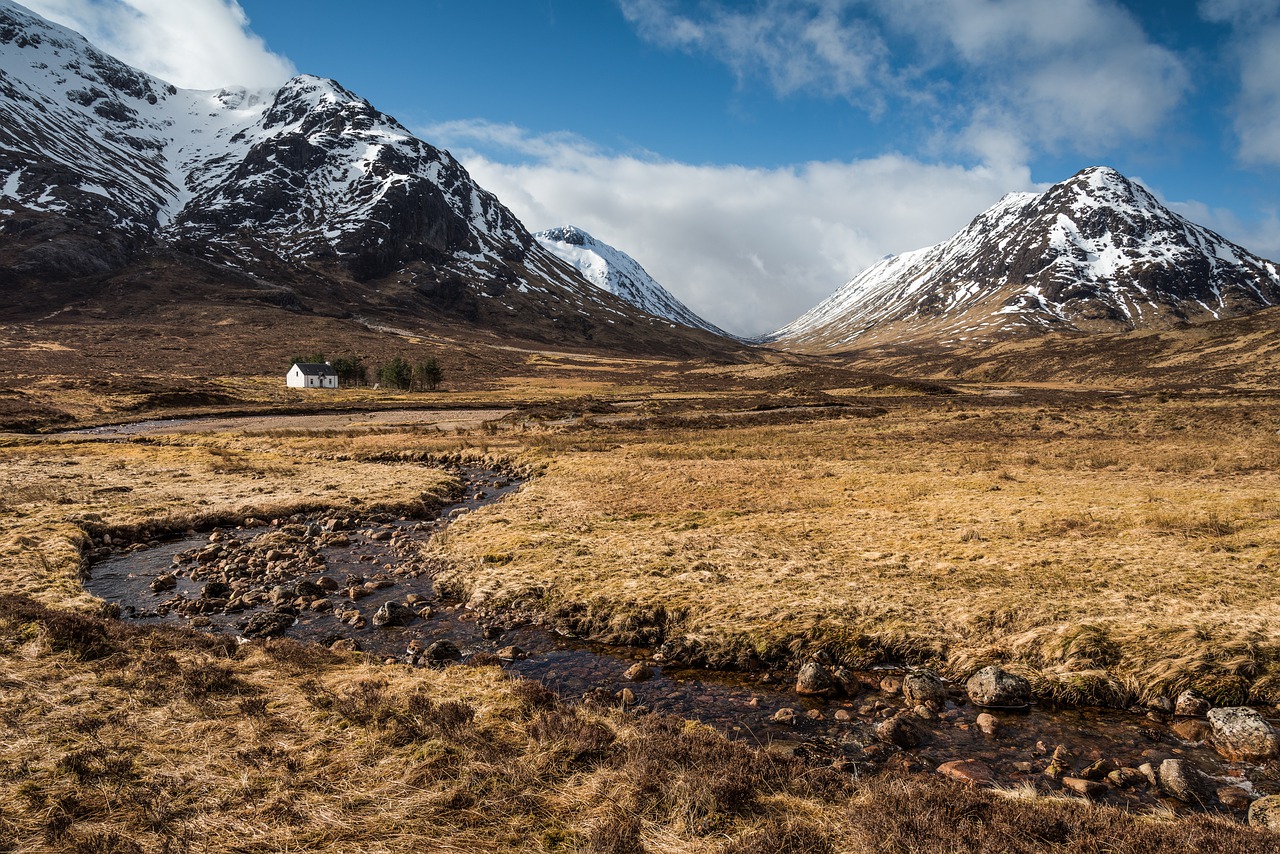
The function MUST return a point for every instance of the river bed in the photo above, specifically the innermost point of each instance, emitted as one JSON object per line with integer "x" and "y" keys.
{"x": 325, "y": 577}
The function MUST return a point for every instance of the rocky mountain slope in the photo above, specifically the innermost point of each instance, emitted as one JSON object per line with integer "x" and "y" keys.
{"x": 1095, "y": 253}
{"x": 308, "y": 197}
{"x": 618, "y": 273}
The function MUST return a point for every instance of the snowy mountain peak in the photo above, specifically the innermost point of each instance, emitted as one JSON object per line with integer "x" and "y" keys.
{"x": 618, "y": 273}
{"x": 1097, "y": 252}
{"x": 103, "y": 166}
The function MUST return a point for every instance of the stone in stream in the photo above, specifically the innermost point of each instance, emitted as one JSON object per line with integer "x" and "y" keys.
{"x": 1127, "y": 778}
{"x": 998, "y": 688}
{"x": 898, "y": 730}
{"x": 267, "y": 624}
{"x": 924, "y": 688}
{"x": 1162, "y": 705}
{"x": 393, "y": 614}
{"x": 512, "y": 653}
{"x": 1192, "y": 729}
{"x": 988, "y": 724}
{"x": 163, "y": 583}
{"x": 443, "y": 650}
{"x": 1265, "y": 812}
{"x": 1234, "y": 798}
{"x": 971, "y": 772}
{"x": 784, "y": 715}
{"x": 638, "y": 672}
{"x": 1241, "y": 734}
{"x": 849, "y": 682}
{"x": 1059, "y": 764}
{"x": 1089, "y": 788}
{"x": 1180, "y": 779}
{"x": 815, "y": 680}
{"x": 1099, "y": 770}
{"x": 1191, "y": 704}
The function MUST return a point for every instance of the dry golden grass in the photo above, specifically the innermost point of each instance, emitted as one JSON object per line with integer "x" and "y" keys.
{"x": 1135, "y": 538}
{"x": 56, "y": 490}
{"x": 146, "y": 741}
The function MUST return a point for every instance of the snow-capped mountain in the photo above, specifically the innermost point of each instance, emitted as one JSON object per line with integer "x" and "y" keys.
{"x": 102, "y": 164}
{"x": 618, "y": 273}
{"x": 1094, "y": 253}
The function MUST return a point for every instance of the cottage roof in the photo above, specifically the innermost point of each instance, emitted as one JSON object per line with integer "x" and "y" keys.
{"x": 316, "y": 369}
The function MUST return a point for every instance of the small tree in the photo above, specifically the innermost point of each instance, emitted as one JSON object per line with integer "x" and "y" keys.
{"x": 351, "y": 370}
{"x": 428, "y": 374}
{"x": 397, "y": 373}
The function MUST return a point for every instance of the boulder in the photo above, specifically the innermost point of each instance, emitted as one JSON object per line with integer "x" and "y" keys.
{"x": 638, "y": 673}
{"x": 1180, "y": 779}
{"x": 924, "y": 688}
{"x": 1088, "y": 788}
{"x": 392, "y": 614}
{"x": 443, "y": 650}
{"x": 1241, "y": 734}
{"x": 1265, "y": 812}
{"x": 849, "y": 682}
{"x": 1191, "y": 704}
{"x": 267, "y": 624}
{"x": 971, "y": 772}
{"x": 899, "y": 731}
{"x": 998, "y": 688}
{"x": 815, "y": 680}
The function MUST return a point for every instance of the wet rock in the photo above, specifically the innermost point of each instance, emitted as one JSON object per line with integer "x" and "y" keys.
{"x": 512, "y": 653}
{"x": 1127, "y": 778}
{"x": 924, "y": 688}
{"x": 899, "y": 731}
{"x": 924, "y": 713}
{"x": 1098, "y": 770}
{"x": 998, "y": 688}
{"x": 626, "y": 697}
{"x": 848, "y": 681}
{"x": 1191, "y": 704}
{"x": 638, "y": 673}
{"x": 1234, "y": 798}
{"x": 785, "y": 715}
{"x": 891, "y": 684}
{"x": 215, "y": 590}
{"x": 443, "y": 650}
{"x": 164, "y": 583}
{"x": 988, "y": 724}
{"x": 321, "y": 605}
{"x": 393, "y": 614}
{"x": 971, "y": 772}
{"x": 1148, "y": 771}
{"x": 1192, "y": 729}
{"x": 1089, "y": 788}
{"x": 1162, "y": 705}
{"x": 843, "y": 715}
{"x": 267, "y": 624}
{"x": 815, "y": 715}
{"x": 815, "y": 680}
{"x": 1180, "y": 779}
{"x": 1059, "y": 764}
{"x": 1241, "y": 734}
{"x": 1265, "y": 812}
{"x": 309, "y": 589}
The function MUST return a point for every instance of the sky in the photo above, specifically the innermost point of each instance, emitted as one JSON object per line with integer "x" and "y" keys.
{"x": 754, "y": 155}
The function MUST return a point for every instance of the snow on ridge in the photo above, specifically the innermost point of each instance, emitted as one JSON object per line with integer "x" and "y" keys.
{"x": 1097, "y": 248}
{"x": 613, "y": 270}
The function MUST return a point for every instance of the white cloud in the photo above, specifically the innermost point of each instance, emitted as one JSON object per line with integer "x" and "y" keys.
{"x": 748, "y": 249}
{"x": 196, "y": 44}
{"x": 998, "y": 75}
{"x": 1256, "y": 51}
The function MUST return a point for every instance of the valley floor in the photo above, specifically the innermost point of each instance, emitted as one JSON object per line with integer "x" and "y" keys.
{"x": 1112, "y": 547}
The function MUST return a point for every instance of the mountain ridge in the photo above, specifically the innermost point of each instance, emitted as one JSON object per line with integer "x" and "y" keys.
{"x": 1095, "y": 253}
{"x": 613, "y": 270}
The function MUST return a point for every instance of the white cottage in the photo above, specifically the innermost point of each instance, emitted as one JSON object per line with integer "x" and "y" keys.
{"x": 311, "y": 375}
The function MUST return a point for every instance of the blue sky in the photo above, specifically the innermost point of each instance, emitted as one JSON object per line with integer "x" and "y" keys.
{"x": 754, "y": 155}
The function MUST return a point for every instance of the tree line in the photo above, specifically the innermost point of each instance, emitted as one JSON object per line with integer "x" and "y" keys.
{"x": 399, "y": 373}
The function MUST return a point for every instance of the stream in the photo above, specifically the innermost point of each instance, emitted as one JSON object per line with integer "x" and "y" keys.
{"x": 328, "y": 578}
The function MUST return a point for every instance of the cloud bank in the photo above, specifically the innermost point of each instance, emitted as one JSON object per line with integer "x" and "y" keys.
{"x": 1255, "y": 50}
{"x": 195, "y": 44}
{"x": 749, "y": 249}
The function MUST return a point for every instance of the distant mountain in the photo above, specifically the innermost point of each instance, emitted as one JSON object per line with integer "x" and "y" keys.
{"x": 618, "y": 273}
{"x": 1095, "y": 253}
{"x": 307, "y": 197}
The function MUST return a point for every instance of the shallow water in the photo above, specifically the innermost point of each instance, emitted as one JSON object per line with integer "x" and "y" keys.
{"x": 381, "y": 553}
